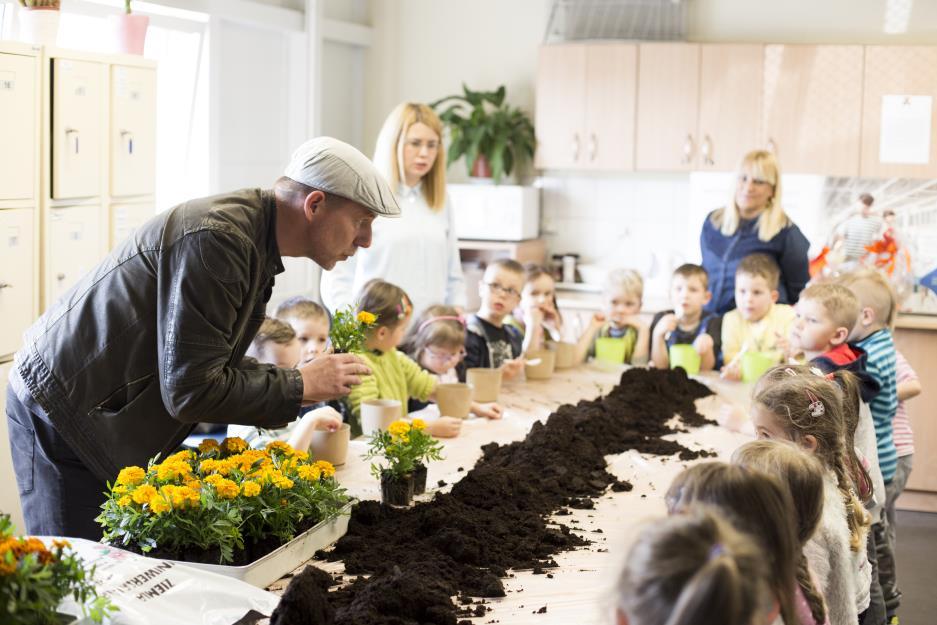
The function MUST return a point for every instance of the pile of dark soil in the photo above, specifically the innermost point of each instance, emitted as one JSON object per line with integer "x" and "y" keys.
{"x": 496, "y": 517}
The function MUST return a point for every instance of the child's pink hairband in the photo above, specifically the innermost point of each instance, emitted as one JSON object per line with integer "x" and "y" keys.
{"x": 441, "y": 318}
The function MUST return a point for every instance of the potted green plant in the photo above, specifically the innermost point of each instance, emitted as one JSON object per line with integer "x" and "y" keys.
{"x": 129, "y": 31}
{"x": 349, "y": 331}
{"x": 493, "y": 137}
{"x": 403, "y": 446}
{"x": 39, "y": 21}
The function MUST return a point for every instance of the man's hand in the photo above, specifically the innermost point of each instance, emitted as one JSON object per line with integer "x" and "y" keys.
{"x": 331, "y": 376}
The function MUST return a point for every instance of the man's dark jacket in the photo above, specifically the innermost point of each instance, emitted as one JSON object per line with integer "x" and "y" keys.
{"x": 152, "y": 340}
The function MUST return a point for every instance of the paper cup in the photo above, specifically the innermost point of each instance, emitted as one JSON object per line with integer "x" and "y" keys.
{"x": 686, "y": 357}
{"x": 485, "y": 383}
{"x": 611, "y": 350}
{"x": 378, "y": 414}
{"x": 331, "y": 446}
{"x": 454, "y": 400}
{"x": 755, "y": 365}
{"x": 565, "y": 354}
{"x": 543, "y": 370}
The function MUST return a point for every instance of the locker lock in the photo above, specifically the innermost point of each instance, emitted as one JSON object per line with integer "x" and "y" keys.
{"x": 5, "y": 285}
{"x": 129, "y": 136}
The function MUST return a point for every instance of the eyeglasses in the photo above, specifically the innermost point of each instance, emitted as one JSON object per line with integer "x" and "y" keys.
{"x": 494, "y": 287}
{"x": 758, "y": 182}
{"x": 439, "y": 356}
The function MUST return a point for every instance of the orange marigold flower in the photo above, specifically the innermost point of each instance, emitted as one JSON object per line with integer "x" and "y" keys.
{"x": 366, "y": 318}
{"x": 61, "y": 544}
{"x": 250, "y": 489}
{"x": 226, "y": 489}
{"x": 144, "y": 494}
{"x": 234, "y": 445}
{"x": 159, "y": 505}
{"x": 131, "y": 476}
{"x": 309, "y": 472}
{"x": 418, "y": 424}
{"x": 327, "y": 468}
{"x": 172, "y": 470}
{"x": 208, "y": 445}
{"x": 280, "y": 447}
{"x": 124, "y": 501}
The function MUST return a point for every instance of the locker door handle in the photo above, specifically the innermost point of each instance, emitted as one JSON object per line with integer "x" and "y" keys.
{"x": 5, "y": 285}
{"x": 73, "y": 131}
{"x": 129, "y": 136}
{"x": 60, "y": 277}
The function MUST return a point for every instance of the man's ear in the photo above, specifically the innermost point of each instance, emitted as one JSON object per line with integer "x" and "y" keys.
{"x": 313, "y": 203}
{"x": 839, "y": 337}
{"x": 775, "y": 294}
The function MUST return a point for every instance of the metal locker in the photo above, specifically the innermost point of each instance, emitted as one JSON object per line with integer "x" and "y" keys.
{"x": 73, "y": 247}
{"x": 17, "y": 276}
{"x": 18, "y": 126}
{"x": 126, "y": 218}
{"x": 77, "y": 118}
{"x": 133, "y": 131}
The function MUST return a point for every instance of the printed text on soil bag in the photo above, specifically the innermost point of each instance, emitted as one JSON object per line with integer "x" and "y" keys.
{"x": 143, "y": 585}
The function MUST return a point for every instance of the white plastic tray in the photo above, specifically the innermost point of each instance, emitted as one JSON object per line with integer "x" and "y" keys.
{"x": 285, "y": 558}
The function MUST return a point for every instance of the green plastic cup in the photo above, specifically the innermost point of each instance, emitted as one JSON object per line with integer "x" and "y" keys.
{"x": 609, "y": 349}
{"x": 755, "y": 365}
{"x": 685, "y": 356}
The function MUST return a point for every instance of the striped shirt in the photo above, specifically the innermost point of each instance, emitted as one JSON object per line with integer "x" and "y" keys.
{"x": 904, "y": 437}
{"x": 881, "y": 366}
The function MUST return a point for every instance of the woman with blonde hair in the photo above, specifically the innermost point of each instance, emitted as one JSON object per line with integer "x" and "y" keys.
{"x": 754, "y": 222}
{"x": 419, "y": 251}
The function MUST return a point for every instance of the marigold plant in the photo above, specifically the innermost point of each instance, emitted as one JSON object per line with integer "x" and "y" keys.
{"x": 402, "y": 446}
{"x": 349, "y": 330}
{"x": 220, "y": 497}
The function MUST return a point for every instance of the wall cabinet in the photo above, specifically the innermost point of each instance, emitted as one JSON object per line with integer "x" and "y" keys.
{"x": 126, "y": 218}
{"x": 73, "y": 234}
{"x": 18, "y": 126}
{"x": 133, "y": 131}
{"x": 585, "y": 115}
{"x": 18, "y": 275}
{"x": 78, "y": 115}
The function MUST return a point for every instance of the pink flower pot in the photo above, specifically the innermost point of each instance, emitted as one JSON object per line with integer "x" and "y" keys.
{"x": 129, "y": 32}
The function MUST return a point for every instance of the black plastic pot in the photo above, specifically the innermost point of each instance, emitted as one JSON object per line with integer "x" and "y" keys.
{"x": 397, "y": 491}
{"x": 419, "y": 479}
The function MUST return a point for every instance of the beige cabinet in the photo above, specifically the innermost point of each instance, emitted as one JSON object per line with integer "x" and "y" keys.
{"x": 126, "y": 218}
{"x": 18, "y": 126}
{"x": 132, "y": 130}
{"x": 898, "y": 71}
{"x": 813, "y": 107}
{"x": 73, "y": 247}
{"x": 78, "y": 108}
{"x": 17, "y": 276}
{"x": 585, "y": 115}
{"x": 730, "y": 104}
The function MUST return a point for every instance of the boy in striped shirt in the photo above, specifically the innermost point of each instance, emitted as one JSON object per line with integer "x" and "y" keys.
{"x": 877, "y": 307}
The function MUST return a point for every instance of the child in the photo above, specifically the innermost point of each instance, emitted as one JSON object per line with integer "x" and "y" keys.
{"x": 878, "y": 304}
{"x": 622, "y": 298}
{"x": 792, "y": 403}
{"x": 311, "y": 323}
{"x": 758, "y": 321}
{"x": 275, "y": 343}
{"x": 756, "y": 504}
{"x": 687, "y": 323}
{"x": 489, "y": 341}
{"x": 541, "y": 319}
{"x": 436, "y": 342}
{"x": 692, "y": 569}
{"x": 803, "y": 476}
{"x": 394, "y": 376}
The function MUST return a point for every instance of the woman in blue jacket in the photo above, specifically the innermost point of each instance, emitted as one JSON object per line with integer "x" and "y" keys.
{"x": 754, "y": 223}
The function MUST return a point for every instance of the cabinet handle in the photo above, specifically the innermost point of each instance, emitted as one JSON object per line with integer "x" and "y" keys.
{"x": 688, "y": 148}
{"x": 707, "y": 150}
{"x": 73, "y": 131}
{"x": 129, "y": 136}
{"x": 575, "y": 146}
{"x": 5, "y": 285}
{"x": 593, "y": 146}
{"x": 60, "y": 277}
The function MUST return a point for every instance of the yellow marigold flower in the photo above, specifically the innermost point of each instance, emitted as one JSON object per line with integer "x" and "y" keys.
{"x": 194, "y": 485}
{"x": 181, "y": 456}
{"x": 61, "y": 544}
{"x": 250, "y": 489}
{"x": 327, "y": 469}
{"x": 302, "y": 456}
{"x": 309, "y": 472}
{"x": 222, "y": 467}
{"x": 280, "y": 481}
{"x": 144, "y": 494}
{"x": 176, "y": 495}
{"x": 234, "y": 445}
{"x": 418, "y": 424}
{"x": 208, "y": 445}
{"x": 171, "y": 470}
{"x": 131, "y": 476}
{"x": 213, "y": 479}
{"x": 124, "y": 501}
{"x": 159, "y": 505}
{"x": 279, "y": 446}
{"x": 366, "y": 317}
{"x": 398, "y": 428}
{"x": 226, "y": 489}
{"x": 120, "y": 489}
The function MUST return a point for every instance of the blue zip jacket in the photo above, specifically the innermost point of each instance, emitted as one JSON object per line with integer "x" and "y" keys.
{"x": 722, "y": 255}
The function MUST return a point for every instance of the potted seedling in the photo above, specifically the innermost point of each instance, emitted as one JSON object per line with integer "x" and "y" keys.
{"x": 39, "y": 21}
{"x": 129, "y": 31}
{"x": 403, "y": 446}
{"x": 425, "y": 448}
{"x": 349, "y": 330}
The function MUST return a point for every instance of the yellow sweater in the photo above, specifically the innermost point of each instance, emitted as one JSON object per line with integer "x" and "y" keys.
{"x": 758, "y": 336}
{"x": 394, "y": 376}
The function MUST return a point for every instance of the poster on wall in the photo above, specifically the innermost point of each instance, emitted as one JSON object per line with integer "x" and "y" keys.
{"x": 905, "y": 129}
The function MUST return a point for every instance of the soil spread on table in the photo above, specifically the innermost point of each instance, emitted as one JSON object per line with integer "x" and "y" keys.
{"x": 497, "y": 517}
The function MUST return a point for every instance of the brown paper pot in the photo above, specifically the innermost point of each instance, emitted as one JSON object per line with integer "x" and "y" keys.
{"x": 454, "y": 400}
{"x": 485, "y": 383}
{"x": 378, "y": 414}
{"x": 543, "y": 370}
{"x": 331, "y": 446}
{"x": 565, "y": 354}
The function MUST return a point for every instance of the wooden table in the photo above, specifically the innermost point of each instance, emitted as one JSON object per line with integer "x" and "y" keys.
{"x": 581, "y": 588}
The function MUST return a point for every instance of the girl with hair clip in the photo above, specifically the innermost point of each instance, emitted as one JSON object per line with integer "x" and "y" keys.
{"x": 798, "y": 404}
{"x": 436, "y": 342}
{"x": 693, "y": 569}
{"x": 538, "y": 316}
{"x": 803, "y": 475}
{"x": 756, "y": 504}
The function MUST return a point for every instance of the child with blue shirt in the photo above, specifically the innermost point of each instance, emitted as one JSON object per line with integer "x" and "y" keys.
{"x": 687, "y": 323}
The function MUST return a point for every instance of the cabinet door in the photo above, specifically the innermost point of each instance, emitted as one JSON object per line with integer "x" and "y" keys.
{"x": 18, "y": 127}
{"x": 17, "y": 276}
{"x": 611, "y": 85}
{"x": 126, "y": 218}
{"x": 73, "y": 247}
{"x": 899, "y": 71}
{"x": 668, "y": 103}
{"x": 77, "y": 118}
{"x": 813, "y": 108}
{"x": 731, "y": 81}
{"x": 561, "y": 85}
{"x": 133, "y": 131}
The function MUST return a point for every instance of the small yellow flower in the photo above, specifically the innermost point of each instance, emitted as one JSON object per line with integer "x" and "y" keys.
{"x": 207, "y": 446}
{"x": 213, "y": 479}
{"x": 302, "y": 456}
{"x": 309, "y": 472}
{"x": 194, "y": 485}
{"x": 234, "y": 445}
{"x": 250, "y": 489}
{"x": 131, "y": 476}
{"x": 366, "y": 318}
{"x": 159, "y": 505}
{"x": 279, "y": 447}
{"x": 222, "y": 467}
{"x": 399, "y": 428}
{"x": 144, "y": 494}
{"x": 120, "y": 489}
{"x": 171, "y": 470}
{"x": 226, "y": 489}
{"x": 326, "y": 468}
{"x": 185, "y": 455}
{"x": 61, "y": 544}
{"x": 124, "y": 501}
{"x": 279, "y": 480}
{"x": 418, "y": 424}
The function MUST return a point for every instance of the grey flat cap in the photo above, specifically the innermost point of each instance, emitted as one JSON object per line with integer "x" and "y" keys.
{"x": 335, "y": 167}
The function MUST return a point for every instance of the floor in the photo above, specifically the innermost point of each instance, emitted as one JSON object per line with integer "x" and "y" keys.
{"x": 917, "y": 567}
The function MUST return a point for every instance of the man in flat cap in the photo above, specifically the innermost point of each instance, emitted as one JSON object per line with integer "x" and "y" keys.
{"x": 152, "y": 340}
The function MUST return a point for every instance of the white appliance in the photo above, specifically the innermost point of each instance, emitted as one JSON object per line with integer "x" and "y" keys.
{"x": 495, "y": 212}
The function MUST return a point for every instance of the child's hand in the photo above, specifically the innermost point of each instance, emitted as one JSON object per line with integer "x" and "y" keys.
{"x": 732, "y": 417}
{"x": 324, "y": 419}
{"x": 783, "y": 345}
{"x": 489, "y": 411}
{"x": 666, "y": 325}
{"x": 635, "y": 321}
{"x": 732, "y": 371}
{"x": 533, "y": 318}
{"x": 597, "y": 320}
{"x": 704, "y": 344}
{"x": 444, "y": 427}
{"x": 510, "y": 369}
